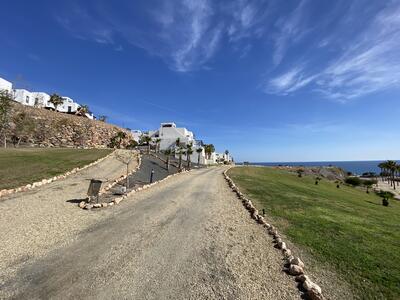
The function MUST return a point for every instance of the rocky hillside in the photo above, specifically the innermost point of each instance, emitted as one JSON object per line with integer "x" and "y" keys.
{"x": 40, "y": 127}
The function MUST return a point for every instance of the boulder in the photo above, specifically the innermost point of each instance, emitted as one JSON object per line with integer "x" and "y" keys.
{"x": 282, "y": 245}
{"x": 97, "y": 205}
{"x": 301, "y": 278}
{"x": 287, "y": 252}
{"x": 295, "y": 270}
{"x": 104, "y": 204}
{"x": 88, "y": 206}
{"x": 297, "y": 261}
{"x": 82, "y": 204}
{"x": 314, "y": 292}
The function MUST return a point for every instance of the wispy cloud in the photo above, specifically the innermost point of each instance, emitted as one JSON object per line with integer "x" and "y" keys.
{"x": 366, "y": 64}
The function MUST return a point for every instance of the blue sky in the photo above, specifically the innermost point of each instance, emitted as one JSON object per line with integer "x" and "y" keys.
{"x": 268, "y": 80}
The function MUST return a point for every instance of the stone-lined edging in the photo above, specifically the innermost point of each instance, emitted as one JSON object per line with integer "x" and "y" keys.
{"x": 33, "y": 185}
{"x": 89, "y": 206}
{"x": 295, "y": 265}
{"x": 122, "y": 177}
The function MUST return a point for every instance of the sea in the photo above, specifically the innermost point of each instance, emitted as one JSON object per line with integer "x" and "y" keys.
{"x": 355, "y": 167}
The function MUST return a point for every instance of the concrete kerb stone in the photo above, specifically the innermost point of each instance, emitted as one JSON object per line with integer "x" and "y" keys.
{"x": 33, "y": 185}
{"x": 296, "y": 265}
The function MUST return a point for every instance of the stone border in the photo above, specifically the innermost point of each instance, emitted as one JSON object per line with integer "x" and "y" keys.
{"x": 295, "y": 265}
{"x": 89, "y": 206}
{"x": 33, "y": 185}
{"x": 122, "y": 177}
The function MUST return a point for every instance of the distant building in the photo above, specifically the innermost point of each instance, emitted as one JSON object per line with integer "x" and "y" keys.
{"x": 137, "y": 134}
{"x": 5, "y": 85}
{"x": 42, "y": 100}
{"x": 169, "y": 133}
{"x": 68, "y": 106}
{"x": 24, "y": 97}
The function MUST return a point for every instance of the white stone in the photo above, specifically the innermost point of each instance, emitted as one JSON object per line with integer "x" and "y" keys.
{"x": 295, "y": 270}
{"x": 297, "y": 261}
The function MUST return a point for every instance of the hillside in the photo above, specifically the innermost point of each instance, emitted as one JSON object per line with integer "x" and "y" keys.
{"x": 44, "y": 128}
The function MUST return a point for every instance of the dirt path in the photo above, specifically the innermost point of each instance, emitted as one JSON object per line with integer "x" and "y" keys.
{"x": 34, "y": 222}
{"x": 186, "y": 238}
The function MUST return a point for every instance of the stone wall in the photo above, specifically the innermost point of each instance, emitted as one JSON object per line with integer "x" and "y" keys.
{"x": 45, "y": 128}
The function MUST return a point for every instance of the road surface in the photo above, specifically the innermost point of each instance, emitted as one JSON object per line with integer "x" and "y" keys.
{"x": 186, "y": 238}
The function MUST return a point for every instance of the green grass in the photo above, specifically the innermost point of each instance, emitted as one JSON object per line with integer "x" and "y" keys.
{"x": 22, "y": 166}
{"x": 346, "y": 228}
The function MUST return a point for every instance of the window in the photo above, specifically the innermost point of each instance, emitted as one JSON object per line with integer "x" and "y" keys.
{"x": 27, "y": 99}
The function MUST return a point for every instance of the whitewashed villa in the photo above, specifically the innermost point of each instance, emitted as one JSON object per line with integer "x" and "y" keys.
{"x": 40, "y": 99}
{"x": 168, "y": 133}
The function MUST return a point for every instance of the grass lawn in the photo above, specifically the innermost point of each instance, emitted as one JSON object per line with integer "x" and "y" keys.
{"x": 346, "y": 228}
{"x": 22, "y": 166}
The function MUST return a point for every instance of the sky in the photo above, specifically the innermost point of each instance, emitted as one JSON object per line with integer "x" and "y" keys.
{"x": 270, "y": 81}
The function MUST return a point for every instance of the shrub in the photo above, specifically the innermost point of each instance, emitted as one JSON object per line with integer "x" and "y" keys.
{"x": 354, "y": 181}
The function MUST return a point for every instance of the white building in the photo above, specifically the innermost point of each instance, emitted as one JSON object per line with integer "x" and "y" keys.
{"x": 42, "y": 100}
{"x": 5, "y": 85}
{"x": 137, "y": 134}
{"x": 169, "y": 133}
{"x": 24, "y": 97}
{"x": 68, "y": 106}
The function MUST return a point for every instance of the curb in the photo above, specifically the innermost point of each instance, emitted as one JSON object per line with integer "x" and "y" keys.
{"x": 89, "y": 206}
{"x": 43, "y": 182}
{"x": 295, "y": 264}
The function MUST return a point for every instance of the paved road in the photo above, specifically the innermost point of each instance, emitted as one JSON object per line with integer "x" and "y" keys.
{"x": 186, "y": 238}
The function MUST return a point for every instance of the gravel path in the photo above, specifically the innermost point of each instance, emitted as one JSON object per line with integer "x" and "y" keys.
{"x": 186, "y": 238}
{"x": 34, "y": 222}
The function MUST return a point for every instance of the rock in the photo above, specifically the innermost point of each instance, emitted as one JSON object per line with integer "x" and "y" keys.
{"x": 111, "y": 204}
{"x": 261, "y": 220}
{"x": 97, "y": 205}
{"x": 278, "y": 240}
{"x": 297, "y": 261}
{"x": 88, "y": 206}
{"x": 301, "y": 278}
{"x": 287, "y": 252}
{"x": 28, "y": 186}
{"x": 295, "y": 270}
{"x": 314, "y": 292}
{"x": 104, "y": 204}
{"x": 82, "y": 204}
{"x": 282, "y": 245}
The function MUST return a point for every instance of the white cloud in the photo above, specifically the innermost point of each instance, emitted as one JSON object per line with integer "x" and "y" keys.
{"x": 368, "y": 63}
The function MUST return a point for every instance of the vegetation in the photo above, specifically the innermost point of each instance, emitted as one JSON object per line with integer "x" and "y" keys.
{"x": 56, "y": 100}
{"x": 344, "y": 228}
{"x": 116, "y": 141}
{"x": 209, "y": 149}
{"x": 390, "y": 171}
{"x": 189, "y": 152}
{"x": 19, "y": 166}
{"x": 82, "y": 110}
{"x": 147, "y": 140}
{"x": 354, "y": 181}
{"x": 199, "y": 151}
{"x": 5, "y": 111}
{"x": 167, "y": 153}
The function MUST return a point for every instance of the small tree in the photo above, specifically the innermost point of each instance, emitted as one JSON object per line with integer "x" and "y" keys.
{"x": 354, "y": 181}
{"x": 125, "y": 157}
{"x": 180, "y": 152}
{"x": 317, "y": 180}
{"x": 5, "y": 111}
{"x": 132, "y": 144}
{"x": 56, "y": 100}
{"x": 167, "y": 154}
{"x": 189, "y": 152}
{"x": 368, "y": 184}
{"x": 158, "y": 141}
{"x": 300, "y": 173}
{"x": 146, "y": 139}
{"x": 24, "y": 128}
{"x": 385, "y": 197}
{"x": 82, "y": 110}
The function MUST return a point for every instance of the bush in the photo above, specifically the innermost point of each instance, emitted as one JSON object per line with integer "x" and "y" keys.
{"x": 354, "y": 181}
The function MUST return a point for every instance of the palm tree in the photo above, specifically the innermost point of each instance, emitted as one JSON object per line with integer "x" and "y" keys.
{"x": 56, "y": 100}
{"x": 157, "y": 141}
{"x": 209, "y": 149}
{"x": 180, "y": 152}
{"x": 189, "y": 151}
{"x": 120, "y": 136}
{"x": 392, "y": 167}
{"x": 147, "y": 140}
{"x": 199, "y": 151}
{"x": 167, "y": 153}
{"x": 83, "y": 110}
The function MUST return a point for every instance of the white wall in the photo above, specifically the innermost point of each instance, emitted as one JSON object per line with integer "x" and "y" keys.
{"x": 24, "y": 97}
{"x": 69, "y": 105}
{"x": 5, "y": 85}
{"x": 41, "y": 99}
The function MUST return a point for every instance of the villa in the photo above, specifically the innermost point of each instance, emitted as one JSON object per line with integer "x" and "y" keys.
{"x": 5, "y": 85}
{"x": 41, "y": 99}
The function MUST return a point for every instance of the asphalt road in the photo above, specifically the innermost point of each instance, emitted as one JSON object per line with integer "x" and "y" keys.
{"x": 186, "y": 238}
